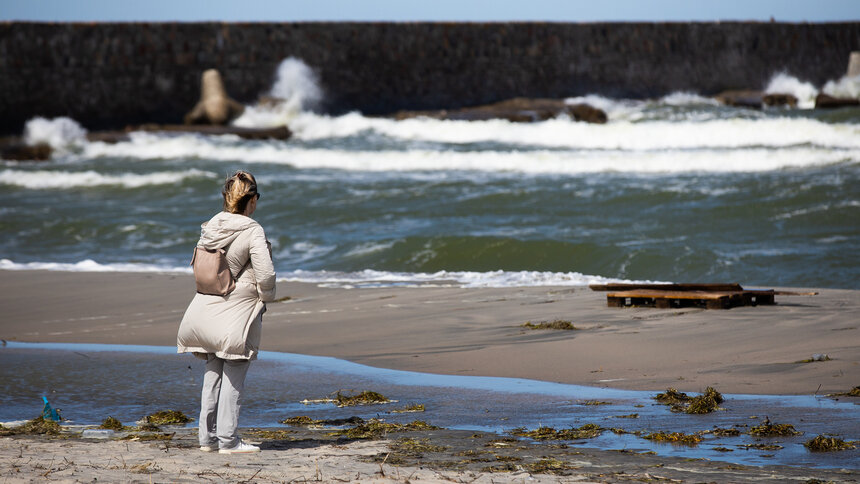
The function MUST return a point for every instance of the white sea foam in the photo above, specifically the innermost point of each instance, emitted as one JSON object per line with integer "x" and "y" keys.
{"x": 365, "y": 278}
{"x": 296, "y": 89}
{"x": 49, "y": 179}
{"x": 60, "y": 133}
{"x": 845, "y": 87}
{"x": 88, "y": 265}
{"x": 783, "y": 83}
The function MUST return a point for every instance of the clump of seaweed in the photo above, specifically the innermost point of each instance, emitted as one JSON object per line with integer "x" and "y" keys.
{"x": 419, "y": 407}
{"x": 415, "y": 447}
{"x": 705, "y": 403}
{"x": 854, "y": 392}
{"x": 144, "y": 437}
{"x": 301, "y": 420}
{"x": 816, "y": 357}
{"x": 768, "y": 429}
{"x": 38, "y": 425}
{"x": 596, "y": 402}
{"x": 558, "y": 324}
{"x": 375, "y": 429}
{"x": 671, "y": 397}
{"x": 632, "y": 415}
{"x": 548, "y": 466}
{"x": 277, "y": 434}
{"x": 762, "y": 446}
{"x": 167, "y": 417}
{"x": 681, "y": 402}
{"x": 364, "y": 398}
{"x": 587, "y": 431}
{"x": 674, "y": 438}
{"x": 147, "y": 427}
{"x": 823, "y": 443}
{"x": 721, "y": 432}
{"x": 111, "y": 423}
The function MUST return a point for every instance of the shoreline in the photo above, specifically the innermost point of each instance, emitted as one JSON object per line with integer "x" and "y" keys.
{"x": 477, "y": 332}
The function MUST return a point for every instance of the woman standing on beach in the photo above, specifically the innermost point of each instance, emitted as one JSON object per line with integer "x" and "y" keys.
{"x": 225, "y": 330}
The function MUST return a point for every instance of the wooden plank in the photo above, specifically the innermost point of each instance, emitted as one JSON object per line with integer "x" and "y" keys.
{"x": 652, "y": 293}
{"x": 620, "y": 286}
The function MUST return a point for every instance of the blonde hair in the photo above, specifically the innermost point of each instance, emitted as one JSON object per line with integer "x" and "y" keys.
{"x": 239, "y": 189}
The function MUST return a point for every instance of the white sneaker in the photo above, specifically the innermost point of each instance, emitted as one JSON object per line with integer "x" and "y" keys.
{"x": 208, "y": 448}
{"x": 242, "y": 448}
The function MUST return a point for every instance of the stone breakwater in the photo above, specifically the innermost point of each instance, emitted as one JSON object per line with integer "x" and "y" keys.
{"x": 112, "y": 74}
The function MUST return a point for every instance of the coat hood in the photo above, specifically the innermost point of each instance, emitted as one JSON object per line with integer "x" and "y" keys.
{"x": 223, "y": 228}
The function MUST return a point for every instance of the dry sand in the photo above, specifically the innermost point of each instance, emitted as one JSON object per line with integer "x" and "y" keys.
{"x": 477, "y": 331}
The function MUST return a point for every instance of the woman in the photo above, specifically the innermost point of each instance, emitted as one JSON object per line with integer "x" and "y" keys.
{"x": 225, "y": 330}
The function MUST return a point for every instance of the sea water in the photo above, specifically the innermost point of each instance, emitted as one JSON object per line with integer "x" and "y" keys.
{"x": 678, "y": 189}
{"x": 91, "y": 382}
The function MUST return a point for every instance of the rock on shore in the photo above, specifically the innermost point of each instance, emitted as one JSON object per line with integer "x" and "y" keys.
{"x": 516, "y": 110}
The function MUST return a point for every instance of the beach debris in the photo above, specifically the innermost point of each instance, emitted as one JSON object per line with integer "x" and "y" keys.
{"x": 166, "y": 417}
{"x": 816, "y": 357}
{"x": 145, "y": 437}
{"x": 586, "y": 431}
{"x": 558, "y": 324}
{"x": 674, "y": 438}
{"x": 48, "y": 412}
{"x": 215, "y": 106}
{"x": 768, "y": 429}
{"x": 824, "y": 443}
{"x": 364, "y": 398}
{"x": 415, "y": 408}
{"x": 376, "y": 428}
{"x": 38, "y": 426}
{"x": 111, "y": 423}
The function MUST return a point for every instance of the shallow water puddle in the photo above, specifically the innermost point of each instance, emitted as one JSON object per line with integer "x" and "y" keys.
{"x": 90, "y": 382}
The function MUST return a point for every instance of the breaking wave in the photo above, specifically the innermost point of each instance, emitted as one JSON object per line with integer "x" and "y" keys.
{"x": 48, "y": 179}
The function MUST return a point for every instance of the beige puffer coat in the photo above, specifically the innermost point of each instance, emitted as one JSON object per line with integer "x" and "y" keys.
{"x": 230, "y": 326}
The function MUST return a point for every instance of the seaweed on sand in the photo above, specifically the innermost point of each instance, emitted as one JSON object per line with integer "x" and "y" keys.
{"x": 681, "y": 402}
{"x": 671, "y": 397}
{"x": 587, "y": 431}
{"x": 854, "y": 392}
{"x": 705, "y": 403}
{"x": 823, "y": 443}
{"x": 301, "y": 420}
{"x": 418, "y": 407}
{"x": 415, "y": 447}
{"x": 674, "y": 438}
{"x": 558, "y": 324}
{"x": 375, "y": 429}
{"x": 167, "y": 417}
{"x": 548, "y": 466}
{"x": 364, "y": 398}
{"x": 768, "y": 429}
{"x": 111, "y": 423}
{"x": 38, "y": 425}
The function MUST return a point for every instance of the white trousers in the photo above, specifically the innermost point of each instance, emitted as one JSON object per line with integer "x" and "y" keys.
{"x": 223, "y": 383}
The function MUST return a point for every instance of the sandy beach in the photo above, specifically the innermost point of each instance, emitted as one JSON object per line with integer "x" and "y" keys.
{"x": 451, "y": 330}
{"x": 447, "y": 330}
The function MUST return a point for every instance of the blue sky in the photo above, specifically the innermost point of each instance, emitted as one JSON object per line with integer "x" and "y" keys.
{"x": 430, "y": 10}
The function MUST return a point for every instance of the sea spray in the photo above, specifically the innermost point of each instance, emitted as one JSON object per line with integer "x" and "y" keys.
{"x": 784, "y": 83}
{"x": 296, "y": 89}
{"x": 60, "y": 133}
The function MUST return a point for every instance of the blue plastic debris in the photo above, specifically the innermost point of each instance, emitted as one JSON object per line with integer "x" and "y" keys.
{"x": 48, "y": 412}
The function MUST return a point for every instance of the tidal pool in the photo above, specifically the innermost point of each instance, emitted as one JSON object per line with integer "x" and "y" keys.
{"x": 90, "y": 382}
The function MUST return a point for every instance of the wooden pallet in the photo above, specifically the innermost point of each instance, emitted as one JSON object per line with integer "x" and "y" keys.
{"x": 666, "y": 299}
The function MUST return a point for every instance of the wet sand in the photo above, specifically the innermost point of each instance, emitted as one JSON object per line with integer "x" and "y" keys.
{"x": 451, "y": 330}
{"x": 302, "y": 455}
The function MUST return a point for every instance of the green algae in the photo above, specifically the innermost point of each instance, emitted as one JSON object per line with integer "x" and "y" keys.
{"x": 364, "y": 398}
{"x": 416, "y": 408}
{"x": 37, "y": 426}
{"x": 587, "y": 431}
{"x": 674, "y": 438}
{"x": 823, "y": 443}
{"x": 375, "y": 429}
{"x": 111, "y": 423}
{"x": 167, "y": 417}
{"x": 768, "y": 429}
{"x": 557, "y": 324}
